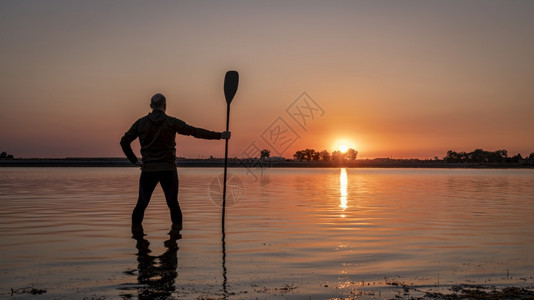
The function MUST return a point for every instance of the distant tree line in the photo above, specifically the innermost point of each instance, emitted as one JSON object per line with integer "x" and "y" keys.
{"x": 336, "y": 156}
{"x": 481, "y": 156}
{"x": 4, "y": 155}
{"x": 476, "y": 156}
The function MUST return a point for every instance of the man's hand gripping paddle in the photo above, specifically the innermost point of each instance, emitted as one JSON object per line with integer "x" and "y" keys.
{"x": 231, "y": 81}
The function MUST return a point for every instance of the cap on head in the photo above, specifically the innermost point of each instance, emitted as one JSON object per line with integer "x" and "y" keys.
{"x": 158, "y": 101}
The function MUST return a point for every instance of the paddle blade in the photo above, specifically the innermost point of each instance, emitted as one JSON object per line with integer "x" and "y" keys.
{"x": 231, "y": 81}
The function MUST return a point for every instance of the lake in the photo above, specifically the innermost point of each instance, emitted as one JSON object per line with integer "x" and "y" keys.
{"x": 289, "y": 233}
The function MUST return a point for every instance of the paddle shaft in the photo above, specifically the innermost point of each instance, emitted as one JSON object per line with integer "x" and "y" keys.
{"x": 226, "y": 159}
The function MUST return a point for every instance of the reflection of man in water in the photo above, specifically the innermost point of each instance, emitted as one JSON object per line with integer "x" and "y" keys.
{"x": 156, "y": 274}
{"x": 156, "y": 133}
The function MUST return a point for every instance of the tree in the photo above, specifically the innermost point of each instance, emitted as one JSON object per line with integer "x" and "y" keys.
{"x": 479, "y": 156}
{"x": 299, "y": 155}
{"x": 3, "y": 155}
{"x": 325, "y": 155}
{"x": 351, "y": 154}
{"x": 265, "y": 154}
{"x": 515, "y": 159}
{"x": 338, "y": 156}
{"x": 451, "y": 157}
{"x": 503, "y": 154}
{"x": 463, "y": 156}
{"x": 316, "y": 156}
{"x": 309, "y": 154}
{"x": 499, "y": 156}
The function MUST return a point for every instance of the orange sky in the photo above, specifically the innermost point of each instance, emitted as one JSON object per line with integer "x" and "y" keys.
{"x": 392, "y": 79}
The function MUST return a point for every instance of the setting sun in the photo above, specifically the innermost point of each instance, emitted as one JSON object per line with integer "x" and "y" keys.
{"x": 344, "y": 144}
{"x": 343, "y": 148}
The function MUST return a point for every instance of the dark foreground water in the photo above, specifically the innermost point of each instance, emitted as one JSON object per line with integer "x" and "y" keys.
{"x": 293, "y": 233}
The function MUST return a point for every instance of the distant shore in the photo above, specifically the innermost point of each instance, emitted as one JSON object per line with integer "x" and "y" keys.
{"x": 257, "y": 163}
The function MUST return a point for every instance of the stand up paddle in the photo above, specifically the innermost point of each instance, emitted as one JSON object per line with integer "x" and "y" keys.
{"x": 231, "y": 80}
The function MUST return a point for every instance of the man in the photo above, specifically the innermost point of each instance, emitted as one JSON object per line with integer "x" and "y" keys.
{"x": 156, "y": 133}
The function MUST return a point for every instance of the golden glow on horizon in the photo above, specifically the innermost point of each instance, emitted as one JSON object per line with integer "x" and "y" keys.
{"x": 343, "y": 189}
{"x": 344, "y": 144}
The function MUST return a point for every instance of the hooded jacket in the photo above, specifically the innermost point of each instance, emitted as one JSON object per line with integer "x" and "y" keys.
{"x": 157, "y": 136}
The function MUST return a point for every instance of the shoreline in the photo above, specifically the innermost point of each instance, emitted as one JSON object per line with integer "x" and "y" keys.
{"x": 257, "y": 163}
{"x": 392, "y": 289}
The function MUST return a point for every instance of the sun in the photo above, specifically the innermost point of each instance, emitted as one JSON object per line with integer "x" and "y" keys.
{"x": 343, "y": 144}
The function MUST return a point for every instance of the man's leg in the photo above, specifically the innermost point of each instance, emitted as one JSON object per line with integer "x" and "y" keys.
{"x": 169, "y": 183}
{"x": 147, "y": 184}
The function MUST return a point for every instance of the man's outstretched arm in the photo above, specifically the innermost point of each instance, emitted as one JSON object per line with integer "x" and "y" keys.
{"x": 201, "y": 133}
{"x": 126, "y": 140}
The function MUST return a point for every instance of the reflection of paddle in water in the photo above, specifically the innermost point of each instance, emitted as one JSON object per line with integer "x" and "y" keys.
{"x": 225, "y": 279}
{"x": 156, "y": 275}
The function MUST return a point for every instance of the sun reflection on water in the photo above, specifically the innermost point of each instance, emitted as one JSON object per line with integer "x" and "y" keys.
{"x": 343, "y": 188}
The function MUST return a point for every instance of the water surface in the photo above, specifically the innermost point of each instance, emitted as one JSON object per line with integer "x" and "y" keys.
{"x": 293, "y": 233}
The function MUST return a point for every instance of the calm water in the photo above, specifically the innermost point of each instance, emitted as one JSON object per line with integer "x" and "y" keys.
{"x": 293, "y": 233}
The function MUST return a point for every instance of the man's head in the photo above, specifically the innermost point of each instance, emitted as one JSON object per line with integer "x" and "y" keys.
{"x": 158, "y": 102}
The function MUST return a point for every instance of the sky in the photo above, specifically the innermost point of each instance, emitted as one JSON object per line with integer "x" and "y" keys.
{"x": 399, "y": 79}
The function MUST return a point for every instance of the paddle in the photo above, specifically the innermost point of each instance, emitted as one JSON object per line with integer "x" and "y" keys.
{"x": 231, "y": 80}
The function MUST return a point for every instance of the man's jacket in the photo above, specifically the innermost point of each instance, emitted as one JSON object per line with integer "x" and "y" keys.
{"x": 157, "y": 132}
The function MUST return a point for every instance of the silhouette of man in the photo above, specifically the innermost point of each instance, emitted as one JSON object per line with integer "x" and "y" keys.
{"x": 157, "y": 132}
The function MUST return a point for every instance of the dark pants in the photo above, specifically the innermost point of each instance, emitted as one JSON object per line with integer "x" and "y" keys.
{"x": 147, "y": 183}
